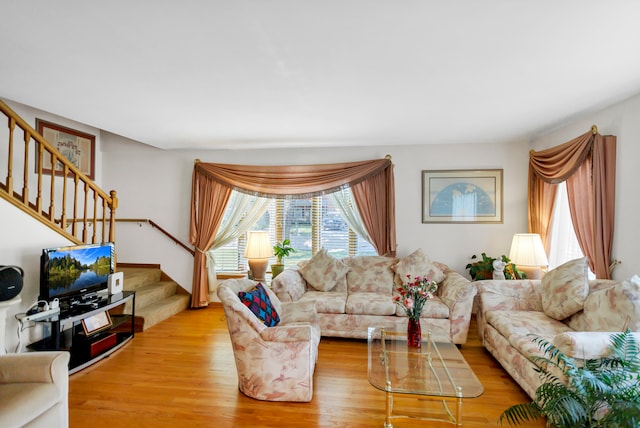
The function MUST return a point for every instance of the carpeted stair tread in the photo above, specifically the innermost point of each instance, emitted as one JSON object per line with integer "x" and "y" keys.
{"x": 157, "y": 297}
{"x": 163, "y": 309}
{"x": 139, "y": 277}
{"x": 151, "y": 293}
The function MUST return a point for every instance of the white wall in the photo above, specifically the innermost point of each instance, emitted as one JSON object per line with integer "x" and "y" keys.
{"x": 622, "y": 121}
{"x": 21, "y": 242}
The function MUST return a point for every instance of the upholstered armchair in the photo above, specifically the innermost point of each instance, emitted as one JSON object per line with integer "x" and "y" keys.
{"x": 34, "y": 390}
{"x": 273, "y": 363}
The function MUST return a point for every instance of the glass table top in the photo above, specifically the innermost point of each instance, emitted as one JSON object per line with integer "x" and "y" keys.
{"x": 437, "y": 369}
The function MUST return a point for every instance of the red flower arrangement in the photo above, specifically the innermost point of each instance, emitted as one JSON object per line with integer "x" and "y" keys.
{"x": 414, "y": 294}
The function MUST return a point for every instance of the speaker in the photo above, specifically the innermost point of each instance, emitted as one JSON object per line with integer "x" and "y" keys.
{"x": 116, "y": 282}
{"x": 10, "y": 282}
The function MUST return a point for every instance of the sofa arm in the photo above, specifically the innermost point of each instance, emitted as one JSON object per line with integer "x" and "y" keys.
{"x": 289, "y": 286}
{"x": 457, "y": 292}
{"x": 296, "y": 332}
{"x": 36, "y": 367}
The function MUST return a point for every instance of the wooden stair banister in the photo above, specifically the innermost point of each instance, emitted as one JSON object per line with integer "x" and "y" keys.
{"x": 96, "y": 204}
{"x": 161, "y": 230}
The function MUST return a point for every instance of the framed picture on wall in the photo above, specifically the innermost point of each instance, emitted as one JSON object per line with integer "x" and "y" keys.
{"x": 462, "y": 196}
{"x": 78, "y": 147}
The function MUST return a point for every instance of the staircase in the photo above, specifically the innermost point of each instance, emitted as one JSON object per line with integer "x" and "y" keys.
{"x": 75, "y": 207}
{"x": 158, "y": 297}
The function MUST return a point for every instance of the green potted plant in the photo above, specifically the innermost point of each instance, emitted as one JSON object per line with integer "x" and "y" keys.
{"x": 483, "y": 268}
{"x": 592, "y": 393}
{"x": 281, "y": 250}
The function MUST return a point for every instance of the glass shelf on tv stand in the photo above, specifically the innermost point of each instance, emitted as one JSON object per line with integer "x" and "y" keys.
{"x": 66, "y": 332}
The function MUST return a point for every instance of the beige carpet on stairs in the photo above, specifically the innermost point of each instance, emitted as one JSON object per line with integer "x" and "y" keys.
{"x": 157, "y": 296}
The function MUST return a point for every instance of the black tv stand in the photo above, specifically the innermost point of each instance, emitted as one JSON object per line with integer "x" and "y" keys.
{"x": 68, "y": 334}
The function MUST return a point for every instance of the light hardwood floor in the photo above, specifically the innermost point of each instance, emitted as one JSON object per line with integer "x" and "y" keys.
{"x": 181, "y": 373}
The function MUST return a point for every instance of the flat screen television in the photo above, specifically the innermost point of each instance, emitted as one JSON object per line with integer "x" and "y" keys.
{"x": 74, "y": 271}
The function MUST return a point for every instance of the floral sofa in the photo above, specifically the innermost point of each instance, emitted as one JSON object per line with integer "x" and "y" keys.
{"x": 577, "y": 315}
{"x": 355, "y": 293}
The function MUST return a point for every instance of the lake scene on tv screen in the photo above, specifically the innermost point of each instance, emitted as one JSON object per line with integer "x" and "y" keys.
{"x": 78, "y": 268}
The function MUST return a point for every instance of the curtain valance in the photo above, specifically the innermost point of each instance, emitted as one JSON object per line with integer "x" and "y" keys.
{"x": 299, "y": 180}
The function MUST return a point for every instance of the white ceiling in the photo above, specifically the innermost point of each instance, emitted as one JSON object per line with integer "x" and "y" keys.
{"x": 304, "y": 73}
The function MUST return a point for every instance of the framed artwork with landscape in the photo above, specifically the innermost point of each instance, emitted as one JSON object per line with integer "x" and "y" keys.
{"x": 462, "y": 196}
{"x": 78, "y": 147}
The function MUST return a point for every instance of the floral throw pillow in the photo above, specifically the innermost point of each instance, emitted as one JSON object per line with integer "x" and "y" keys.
{"x": 258, "y": 302}
{"x": 565, "y": 289}
{"x": 323, "y": 271}
{"x": 417, "y": 264}
{"x": 614, "y": 309}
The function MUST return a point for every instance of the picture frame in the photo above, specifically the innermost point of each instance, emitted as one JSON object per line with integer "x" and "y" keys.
{"x": 96, "y": 323}
{"x": 462, "y": 196}
{"x": 78, "y": 147}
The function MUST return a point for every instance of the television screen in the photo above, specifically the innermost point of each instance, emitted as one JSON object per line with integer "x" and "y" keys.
{"x": 76, "y": 270}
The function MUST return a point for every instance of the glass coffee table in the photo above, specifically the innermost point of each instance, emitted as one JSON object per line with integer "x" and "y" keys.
{"x": 437, "y": 370}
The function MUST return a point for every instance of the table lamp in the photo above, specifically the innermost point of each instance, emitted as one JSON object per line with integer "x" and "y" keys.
{"x": 258, "y": 252}
{"x": 527, "y": 252}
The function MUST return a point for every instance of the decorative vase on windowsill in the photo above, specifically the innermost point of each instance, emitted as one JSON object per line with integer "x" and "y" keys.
{"x": 413, "y": 294}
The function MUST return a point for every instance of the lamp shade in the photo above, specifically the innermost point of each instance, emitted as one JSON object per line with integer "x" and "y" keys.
{"x": 527, "y": 250}
{"x": 258, "y": 245}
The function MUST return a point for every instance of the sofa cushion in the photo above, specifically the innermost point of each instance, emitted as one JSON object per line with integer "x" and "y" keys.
{"x": 370, "y": 304}
{"x": 565, "y": 289}
{"x": 614, "y": 308}
{"x": 327, "y": 302}
{"x": 258, "y": 302}
{"x": 583, "y": 344}
{"x": 525, "y": 322}
{"x": 370, "y": 274}
{"x": 323, "y": 270}
{"x": 434, "y": 308}
{"x": 416, "y": 264}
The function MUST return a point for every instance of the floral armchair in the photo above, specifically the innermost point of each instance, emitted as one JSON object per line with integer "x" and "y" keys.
{"x": 273, "y": 363}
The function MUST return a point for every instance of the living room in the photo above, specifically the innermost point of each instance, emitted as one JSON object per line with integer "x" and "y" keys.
{"x": 155, "y": 183}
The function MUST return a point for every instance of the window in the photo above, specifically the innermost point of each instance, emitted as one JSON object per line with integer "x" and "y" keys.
{"x": 310, "y": 224}
{"x": 564, "y": 244}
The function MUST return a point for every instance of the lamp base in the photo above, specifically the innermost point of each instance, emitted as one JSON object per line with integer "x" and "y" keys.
{"x": 258, "y": 268}
{"x": 532, "y": 272}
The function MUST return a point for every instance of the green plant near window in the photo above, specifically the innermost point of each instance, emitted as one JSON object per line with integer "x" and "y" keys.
{"x": 594, "y": 393}
{"x": 483, "y": 268}
{"x": 281, "y": 250}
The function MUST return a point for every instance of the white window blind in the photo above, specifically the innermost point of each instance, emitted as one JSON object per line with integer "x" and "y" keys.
{"x": 310, "y": 224}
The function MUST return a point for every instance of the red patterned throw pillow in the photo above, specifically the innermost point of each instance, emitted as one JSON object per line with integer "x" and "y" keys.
{"x": 258, "y": 302}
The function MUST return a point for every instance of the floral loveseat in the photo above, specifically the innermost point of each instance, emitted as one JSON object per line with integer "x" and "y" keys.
{"x": 355, "y": 293}
{"x": 565, "y": 308}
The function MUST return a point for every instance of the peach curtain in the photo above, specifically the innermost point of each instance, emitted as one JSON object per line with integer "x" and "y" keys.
{"x": 588, "y": 165}
{"x": 377, "y": 210}
{"x": 212, "y": 185}
{"x": 208, "y": 200}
